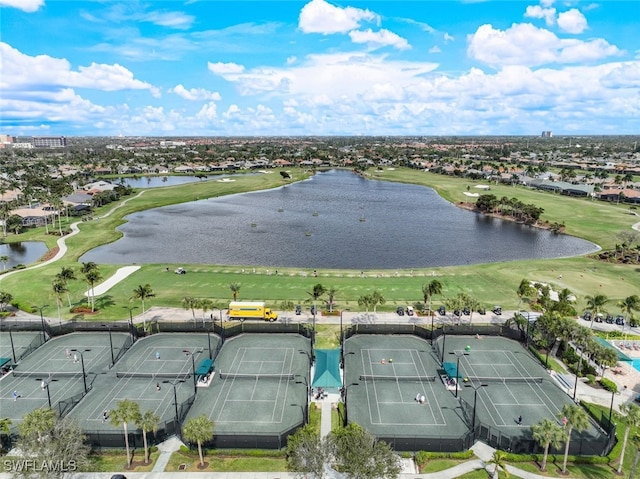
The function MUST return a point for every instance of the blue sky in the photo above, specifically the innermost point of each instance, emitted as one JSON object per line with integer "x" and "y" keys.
{"x": 219, "y": 68}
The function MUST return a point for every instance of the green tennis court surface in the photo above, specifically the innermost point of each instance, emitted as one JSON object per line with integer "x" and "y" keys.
{"x": 514, "y": 390}
{"x": 174, "y": 366}
{"x": 54, "y": 362}
{"x": 15, "y": 344}
{"x": 262, "y": 389}
{"x": 388, "y": 408}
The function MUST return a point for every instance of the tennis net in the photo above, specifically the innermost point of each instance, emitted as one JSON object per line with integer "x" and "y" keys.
{"x": 47, "y": 374}
{"x": 286, "y": 377}
{"x": 522, "y": 380}
{"x": 370, "y": 377}
{"x": 138, "y": 375}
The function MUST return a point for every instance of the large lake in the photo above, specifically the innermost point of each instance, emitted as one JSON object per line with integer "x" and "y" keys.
{"x": 336, "y": 219}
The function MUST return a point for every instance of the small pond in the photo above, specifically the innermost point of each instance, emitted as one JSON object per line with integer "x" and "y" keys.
{"x": 24, "y": 252}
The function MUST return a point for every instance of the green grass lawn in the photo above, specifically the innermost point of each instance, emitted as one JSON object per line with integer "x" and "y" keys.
{"x": 491, "y": 284}
{"x": 225, "y": 463}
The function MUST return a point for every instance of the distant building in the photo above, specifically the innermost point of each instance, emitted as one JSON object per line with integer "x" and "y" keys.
{"x": 547, "y": 134}
{"x": 4, "y": 139}
{"x": 49, "y": 141}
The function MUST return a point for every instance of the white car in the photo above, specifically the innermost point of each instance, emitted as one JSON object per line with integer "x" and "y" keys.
{"x": 409, "y": 310}
{"x": 180, "y": 271}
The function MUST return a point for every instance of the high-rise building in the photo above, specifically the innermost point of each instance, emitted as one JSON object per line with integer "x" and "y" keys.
{"x": 49, "y": 141}
{"x": 547, "y": 134}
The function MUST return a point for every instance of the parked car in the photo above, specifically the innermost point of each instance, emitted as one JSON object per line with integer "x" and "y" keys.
{"x": 409, "y": 310}
{"x": 620, "y": 320}
{"x": 497, "y": 310}
{"x": 587, "y": 316}
{"x": 466, "y": 311}
{"x": 457, "y": 312}
{"x": 442, "y": 311}
{"x": 608, "y": 319}
{"x": 313, "y": 310}
{"x": 180, "y": 271}
{"x": 400, "y": 311}
{"x": 599, "y": 318}
{"x": 482, "y": 311}
{"x": 298, "y": 310}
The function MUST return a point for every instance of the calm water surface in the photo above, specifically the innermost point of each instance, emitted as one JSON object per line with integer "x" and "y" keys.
{"x": 333, "y": 220}
{"x": 24, "y": 252}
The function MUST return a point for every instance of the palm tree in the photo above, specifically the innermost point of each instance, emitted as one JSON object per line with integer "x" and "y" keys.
{"x": 37, "y": 423}
{"x": 525, "y": 290}
{"x": 573, "y": 417}
{"x": 147, "y": 422}
{"x": 429, "y": 290}
{"x": 499, "y": 460}
{"x": 235, "y": 289}
{"x": 59, "y": 288}
{"x": 91, "y": 276}
{"x": 331, "y": 296}
{"x": 377, "y": 299}
{"x": 547, "y": 433}
{"x": 66, "y": 275}
{"x": 628, "y": 305}
{"x": 316, "y": 293}
{"x": 198, "y": 429}
{"x": 127, "y": 412}
{"x": 142, "y": 293}
{"x": 190, "y": 303}
{"x": 365, "y": 301}
{"x": 633, "y": 420}
{"x": 4, "y": 259}
{"x": 596, "y": 303}
{"x": 5, "y": 428}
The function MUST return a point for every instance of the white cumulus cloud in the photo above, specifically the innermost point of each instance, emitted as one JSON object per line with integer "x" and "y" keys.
{"x": 26, "y": 5}
{"x": 572, "y": 21}
{"x": 379, "y": 39}
{"x": 319, "y": 16}
{"x": 525, "y": 44}
{"x": 20, "y": 71}
{"x": 195, "y": 94}
{"x": 536, "y": 11}
{"x": 225, "y": 69}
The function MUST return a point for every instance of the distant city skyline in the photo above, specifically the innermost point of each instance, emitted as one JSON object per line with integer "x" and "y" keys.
{"x": 278, "y": 68}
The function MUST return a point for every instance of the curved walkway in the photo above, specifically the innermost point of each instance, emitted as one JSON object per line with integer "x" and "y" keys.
{"x": 62, "y": 245}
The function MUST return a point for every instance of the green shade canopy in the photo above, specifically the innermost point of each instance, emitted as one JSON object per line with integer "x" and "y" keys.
{"x": 451, "y": 369}
{"x": 327, "y": 373}
{"x": 204, "y": 367}
{"x": 4, "y": 361}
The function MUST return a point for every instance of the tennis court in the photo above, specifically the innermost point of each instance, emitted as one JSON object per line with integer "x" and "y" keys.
{"x": 15, "y": 344}
{"x": 54, "y": 363}
{"x": 139, "y": 373}
{"x": 259, "y": 389}
{"x": 384, "y": 375}
{"x": 513, "y": 389}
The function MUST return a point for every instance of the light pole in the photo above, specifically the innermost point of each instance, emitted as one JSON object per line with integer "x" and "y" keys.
{"x": 193, "y": 365}
{"x": 611, "y": 407}
{"x": 84, "y": 375}
{"x": 209, "y": 342}
{"x": 475, "y": 398}
{"x": 131, "y": 308}
{"x": 44, "y": 335}
{"x": 13, "y": 349}
{"x": 175, "y": 395}
{"x": 444, "y": 339}
{"x": 45, "y": 385}
{"x": 458, "y": 354}
{"x": 113, "y": 361}
{"x": 342, "y": 337}
{"x": 431, "y": 313}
